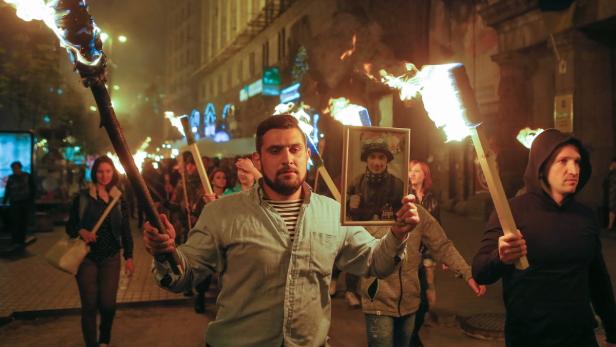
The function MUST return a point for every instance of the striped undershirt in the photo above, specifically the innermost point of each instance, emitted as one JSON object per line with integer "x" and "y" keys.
{"x": 289, "y": 211}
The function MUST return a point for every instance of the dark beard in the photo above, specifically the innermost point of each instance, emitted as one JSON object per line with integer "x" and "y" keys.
{"x": 281, "y": 187}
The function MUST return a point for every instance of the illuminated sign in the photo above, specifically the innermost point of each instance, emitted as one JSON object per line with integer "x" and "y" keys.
{"x": 207, "y": 125}
{"x": 244, "y": 93}
{"x": 290, "y": 93}
{"x": 271, "y": 81}
{"x": 255, "y": 88}
{"x": 209, "y": 120}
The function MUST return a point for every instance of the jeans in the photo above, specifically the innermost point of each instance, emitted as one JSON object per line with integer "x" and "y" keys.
{"x": 387, "y": 331}
{"x": 98, "y": 286}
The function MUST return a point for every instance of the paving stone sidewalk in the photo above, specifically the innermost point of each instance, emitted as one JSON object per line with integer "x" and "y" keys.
{"x": 29, "y": 285}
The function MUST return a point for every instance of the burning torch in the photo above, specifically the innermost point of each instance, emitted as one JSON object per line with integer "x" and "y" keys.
{"x": 77, "y": 32}
{"x": 304, "y": 123}
{"x": 449, "y": 101}
{"x": 192, "y": 147}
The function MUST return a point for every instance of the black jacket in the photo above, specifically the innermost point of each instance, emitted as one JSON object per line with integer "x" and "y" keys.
{"x": 86, "y": 216}
{"x": 549, "y": 304}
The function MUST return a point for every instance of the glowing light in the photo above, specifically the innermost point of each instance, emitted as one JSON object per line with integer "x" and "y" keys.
{"x": 104, "y": 36}
{"x": 47, "y": 12}
{"x": 527, "y": 135}
{"x": 93, "y": 108}
{"x": 346, "y": 113}
{"x": 139, "y": 157}
{"x": 175, "y": 122}
{"x": 116, "y": 87}
{"x": 122, "y": 39}
{"x": 441, "y": 98}
{"x": 349, "y": 51}
{"x": 175, "y": 152}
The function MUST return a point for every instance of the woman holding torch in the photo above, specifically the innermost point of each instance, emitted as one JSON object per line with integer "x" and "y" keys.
{"x": 99, "y": 274}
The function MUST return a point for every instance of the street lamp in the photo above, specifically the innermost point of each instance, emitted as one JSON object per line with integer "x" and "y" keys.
{"x": 108, "y": 40}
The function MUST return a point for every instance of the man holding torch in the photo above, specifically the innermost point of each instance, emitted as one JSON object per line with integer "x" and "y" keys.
{"x": 276, "y": 245}
{"x": 549, "y": 304}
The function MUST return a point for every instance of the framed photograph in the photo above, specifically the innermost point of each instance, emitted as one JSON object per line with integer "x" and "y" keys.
{"x": 374, "y": 174}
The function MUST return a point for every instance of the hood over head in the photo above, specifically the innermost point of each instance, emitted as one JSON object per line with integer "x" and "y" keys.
{"x": 543, "y": 147}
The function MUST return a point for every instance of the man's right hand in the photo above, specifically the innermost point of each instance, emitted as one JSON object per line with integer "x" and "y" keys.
{"x": 157, "y": 243}
{"x": 511, "y": 247}
{"x": 355, "y": 201}
{"x": 87, "y": 236}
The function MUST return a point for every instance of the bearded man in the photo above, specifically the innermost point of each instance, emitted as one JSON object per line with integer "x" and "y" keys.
{"x": 275, "y": 246}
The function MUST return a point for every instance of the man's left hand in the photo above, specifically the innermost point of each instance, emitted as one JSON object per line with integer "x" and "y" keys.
{"x": 407, "y": 217}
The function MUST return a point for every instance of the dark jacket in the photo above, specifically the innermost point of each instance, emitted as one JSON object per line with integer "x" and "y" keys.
{"x": 20, "y": 188}
{"x": 430, "y": 203}
{"x": 549, "y": 304}
{"x": 85, "y": 217}
{"x": 374, "y": 196}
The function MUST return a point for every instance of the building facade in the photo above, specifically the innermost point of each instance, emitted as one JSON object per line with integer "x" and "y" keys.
{"x": 220, "y": 59}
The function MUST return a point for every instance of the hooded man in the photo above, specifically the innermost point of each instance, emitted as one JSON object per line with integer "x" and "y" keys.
{"x": 375, "y": 194}
{"x": 549, "y": 304}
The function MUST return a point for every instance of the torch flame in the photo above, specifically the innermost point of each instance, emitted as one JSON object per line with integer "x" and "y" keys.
{"x": 175, "y": 122}
{"x": 439, "y": 93}
{"x": 53, "y": 17}
{"x": 527, "y": 135}
{"x": 349, "y": 51}
{"x": 139, "y": 157}
{"x": 346, "y": 113}
{"x": 300, "y": 114}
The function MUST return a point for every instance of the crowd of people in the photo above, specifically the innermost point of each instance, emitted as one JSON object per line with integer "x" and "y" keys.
{"x": 278, "y": 245}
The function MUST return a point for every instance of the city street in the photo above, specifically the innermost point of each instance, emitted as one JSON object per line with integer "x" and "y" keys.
{"x": 40, "y": 304}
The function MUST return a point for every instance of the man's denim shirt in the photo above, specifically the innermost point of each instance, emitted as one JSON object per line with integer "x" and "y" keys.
{"x": 275, "y": 292}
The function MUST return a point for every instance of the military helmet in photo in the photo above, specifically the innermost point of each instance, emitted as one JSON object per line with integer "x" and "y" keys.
{"x": 371, "y": 147}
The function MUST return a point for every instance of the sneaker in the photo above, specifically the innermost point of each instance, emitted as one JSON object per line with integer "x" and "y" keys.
{"x": 332, "y": 287}
{"x": 352, "y": 299}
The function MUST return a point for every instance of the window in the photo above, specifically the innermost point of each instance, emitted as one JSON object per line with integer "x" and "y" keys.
{"x": 265, "y": 49}
{"x": 252, "y": 64}
{"x": 282, "y": 40}
{"x": 240, "y": 71}
{"x": 229, "y": 78}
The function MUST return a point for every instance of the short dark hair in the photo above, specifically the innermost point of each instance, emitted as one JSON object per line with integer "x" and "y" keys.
{"x": 16, "y": 163}
{"x": 283, "y": 121}
{"x": 105, "y": 159}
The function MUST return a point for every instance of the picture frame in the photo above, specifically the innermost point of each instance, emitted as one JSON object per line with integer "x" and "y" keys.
{"x": 374, "y": 174}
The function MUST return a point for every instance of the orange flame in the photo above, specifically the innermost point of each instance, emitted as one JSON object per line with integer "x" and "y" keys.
{"x": 344, "y": 112}
{"x": 439, "y": 93}
{"x": 175, "y": 122}
{"x": 45, "y": 11}
{"x": 527, "y": 135}
{"x": 349, "y": 52}
{"x": 139, "y": 157}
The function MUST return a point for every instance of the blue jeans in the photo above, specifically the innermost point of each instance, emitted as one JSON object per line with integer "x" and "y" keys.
{"x": 387, "y": 331}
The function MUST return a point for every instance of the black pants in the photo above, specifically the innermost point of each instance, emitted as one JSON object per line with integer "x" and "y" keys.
{"x": 19, "y": 214}
{"x": 98, "y": 286}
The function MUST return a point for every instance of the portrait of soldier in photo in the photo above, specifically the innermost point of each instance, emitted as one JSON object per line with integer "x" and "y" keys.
{"x": 374, "y": 187}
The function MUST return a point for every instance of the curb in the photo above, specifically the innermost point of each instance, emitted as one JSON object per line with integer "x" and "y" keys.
{"x": 34, "y": 314}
